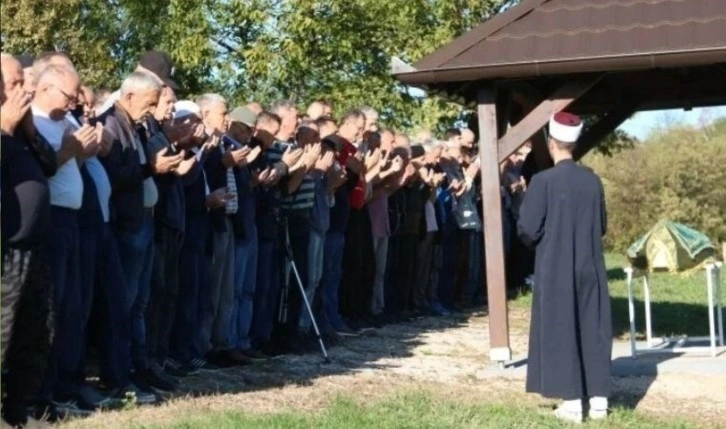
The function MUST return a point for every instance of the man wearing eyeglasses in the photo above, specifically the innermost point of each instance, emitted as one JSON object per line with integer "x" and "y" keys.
{"x": 55, "y": 89}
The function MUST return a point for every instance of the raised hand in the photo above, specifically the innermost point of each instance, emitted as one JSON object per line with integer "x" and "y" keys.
{"x": 218, "y": 198}
{"x": 104, "y": 140}
{"x": 237, "y": 157}
{"x": 472, "y": 170}
{"x": 14, "y": 110}
{"x": 372, "y": 159}
{"x": 325, "y": 162}
{"x": 336, "y": 178}
{"x": 291, "y": 157}
{"x": 253, "y": 154}
{"x": 163, "y": 163}
{"x": 312, "y": 155}
{"x": 396, "y": 164}
{"x": 87, "y": 138}
{"x": 211, "y": 143}
{"x": 355, "y": 162}
{"x": 260, "y": 176}
{"x": 186, "y": 165}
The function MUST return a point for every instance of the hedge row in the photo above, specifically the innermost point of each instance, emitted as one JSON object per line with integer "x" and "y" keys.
{"x": 679, "y": 175}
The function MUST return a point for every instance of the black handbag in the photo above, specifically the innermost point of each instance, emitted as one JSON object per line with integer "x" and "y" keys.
{"x": 465, "y": 212}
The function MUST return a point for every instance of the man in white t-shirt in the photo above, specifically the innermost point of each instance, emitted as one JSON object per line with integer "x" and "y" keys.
{"x": 56, "y": 91}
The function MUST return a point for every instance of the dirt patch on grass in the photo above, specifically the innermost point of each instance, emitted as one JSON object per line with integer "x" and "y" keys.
{"x": 448, "y": 356}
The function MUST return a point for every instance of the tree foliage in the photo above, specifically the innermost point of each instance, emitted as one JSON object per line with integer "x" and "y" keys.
{"x": 676, "y": 175}
{"x": 338, "y": 50}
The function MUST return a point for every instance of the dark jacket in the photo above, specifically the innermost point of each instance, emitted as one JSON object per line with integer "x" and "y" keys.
{"x": 125, "y": 171}
{"x": 170, "y": 210}
{"x": 217, "y": 178}
{"x": 25, "y": 196}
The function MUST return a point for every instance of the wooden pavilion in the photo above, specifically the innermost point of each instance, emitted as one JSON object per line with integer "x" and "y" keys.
{"x": 608, "y": 58}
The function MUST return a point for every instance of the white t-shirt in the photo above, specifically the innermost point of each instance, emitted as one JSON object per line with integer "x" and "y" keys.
{"x": 66, "y": 186}
{"x": 100, "y": 178}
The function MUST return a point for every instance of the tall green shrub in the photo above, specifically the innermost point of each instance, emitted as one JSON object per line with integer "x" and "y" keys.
{"x": 678, "y": 175}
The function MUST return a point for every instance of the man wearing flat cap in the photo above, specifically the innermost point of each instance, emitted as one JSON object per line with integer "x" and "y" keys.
{"x": 563, "y": 216}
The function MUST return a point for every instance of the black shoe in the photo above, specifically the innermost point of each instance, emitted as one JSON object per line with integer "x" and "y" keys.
{"x": 272, "y": 350}
{"x": 73, "y": 406}
{"x": 132, "y": 392}
{"x": 359, "y": 326}
{"x": 347, "y": 331}
{"x": 239, "y": 358}
{"x": 255, "y": 355}
{"x": 332, "y": 338}
{"x": 372, "y": 321}
{"x": 46, "y": 412}
{"x": 220, "y": 359}
{"x": 173, "y": 368}
{"x": 150, "y": 380}
{"x": 201, "y": 365}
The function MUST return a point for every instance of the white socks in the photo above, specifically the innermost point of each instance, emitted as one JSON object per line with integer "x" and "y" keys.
{"x": 598, "y": 407}
{"x": 572, "y": 410}
{"x": 574, "y": 406}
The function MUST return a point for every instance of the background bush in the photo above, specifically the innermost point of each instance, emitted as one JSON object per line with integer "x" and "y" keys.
{"x": 678, "y": 174}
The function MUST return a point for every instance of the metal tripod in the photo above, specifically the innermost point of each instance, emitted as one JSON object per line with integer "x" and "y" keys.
{"x": 285, "y": 292}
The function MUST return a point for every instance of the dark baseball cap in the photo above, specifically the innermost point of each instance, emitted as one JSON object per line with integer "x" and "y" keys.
{"x": 161, "y": 65}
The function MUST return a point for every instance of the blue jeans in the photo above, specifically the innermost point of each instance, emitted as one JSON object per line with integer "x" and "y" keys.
{"x": 245, "y": 282}
{"x": 267, "y": 291}
{"x": 332, "y": 277}
{"x": 136, "y": 250}
{"x": 63, "y": 247}
{"x": 316, "y": 252}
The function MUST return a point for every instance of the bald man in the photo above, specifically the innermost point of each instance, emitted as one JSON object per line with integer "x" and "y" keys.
{"x": 318, "y": 109}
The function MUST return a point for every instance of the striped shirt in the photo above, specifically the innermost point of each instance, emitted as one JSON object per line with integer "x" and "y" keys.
{"x": 302, "y": 198}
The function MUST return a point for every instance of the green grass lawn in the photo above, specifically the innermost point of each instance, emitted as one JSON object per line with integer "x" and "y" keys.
{"x": 678, "y": 302}
{"x": 415, "y": 410}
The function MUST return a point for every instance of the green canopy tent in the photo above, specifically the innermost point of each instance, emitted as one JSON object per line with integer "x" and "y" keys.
{"x": 671, "y": 246}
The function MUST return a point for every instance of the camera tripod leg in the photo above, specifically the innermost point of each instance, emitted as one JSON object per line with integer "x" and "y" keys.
{"x": 310, "y": 312}
{"x": 289, "y": 254}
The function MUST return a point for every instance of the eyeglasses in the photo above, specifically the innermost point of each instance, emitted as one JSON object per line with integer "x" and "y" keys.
{"x": 69, "y": 98}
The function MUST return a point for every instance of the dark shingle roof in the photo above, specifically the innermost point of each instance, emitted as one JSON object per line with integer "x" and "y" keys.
{"x": 548, "y": 37}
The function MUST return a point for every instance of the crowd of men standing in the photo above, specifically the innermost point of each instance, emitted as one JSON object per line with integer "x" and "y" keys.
{"x": 158, "y": 232}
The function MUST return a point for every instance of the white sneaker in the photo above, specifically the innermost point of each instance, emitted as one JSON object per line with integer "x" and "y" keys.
{"x": 570, "y": 416}
{"x": 597, "y": 414}
{"x": 598, "y": 408}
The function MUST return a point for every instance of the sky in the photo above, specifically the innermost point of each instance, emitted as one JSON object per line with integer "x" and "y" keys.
{"x": 644, "y": 123}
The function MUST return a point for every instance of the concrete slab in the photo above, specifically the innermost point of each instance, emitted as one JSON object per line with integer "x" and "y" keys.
{"x": 623, "y": 365}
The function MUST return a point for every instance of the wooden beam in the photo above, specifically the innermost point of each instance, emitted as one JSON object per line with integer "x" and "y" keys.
{"x": 606, "y": 125}
{"x": 540, "y": 115}
{"x": 493, "y": 234}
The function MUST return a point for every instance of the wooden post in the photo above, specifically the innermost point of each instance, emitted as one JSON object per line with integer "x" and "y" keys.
{"x": 723, "y": 251}
{"x": 499, "y": 350}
